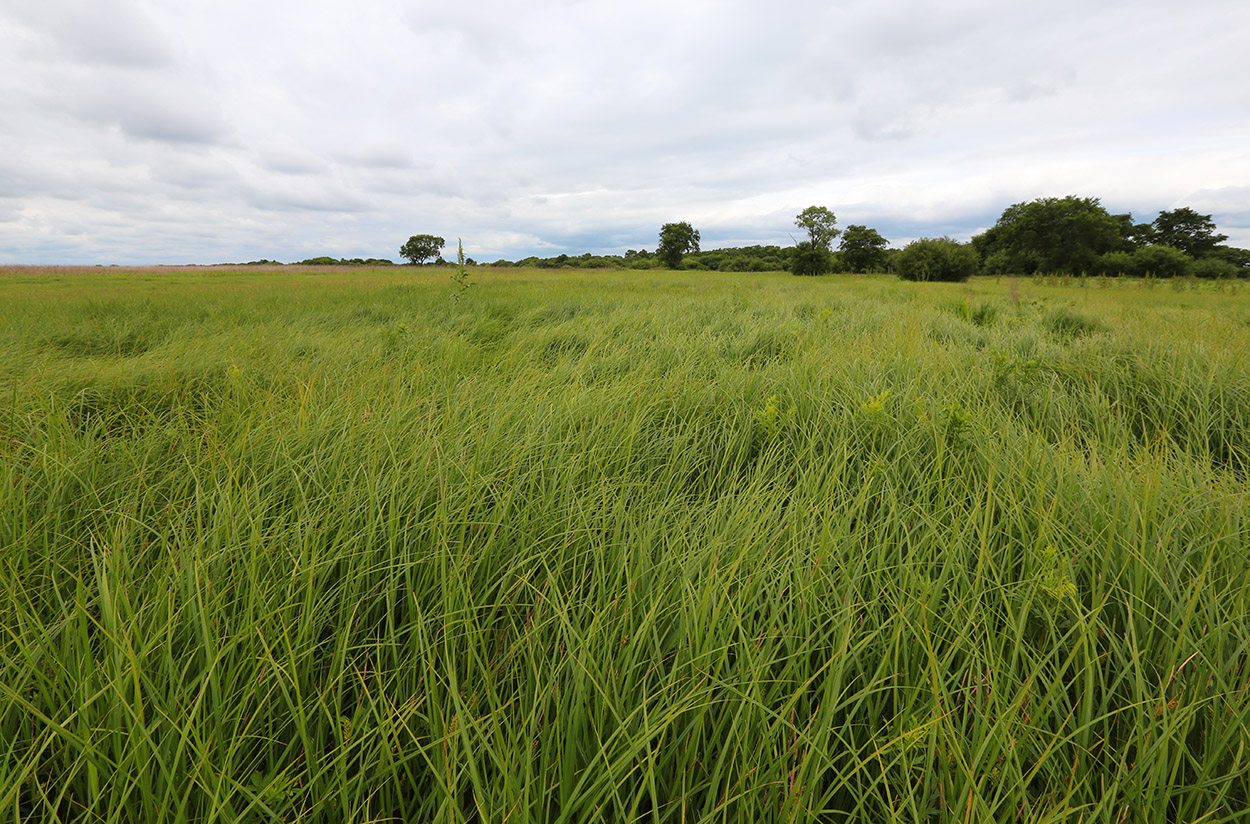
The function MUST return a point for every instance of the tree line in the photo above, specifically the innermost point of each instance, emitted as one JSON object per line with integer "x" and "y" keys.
{"x": 1073, "y": 235}
{"x": 862, "y": 250}
{"x": 1054, "y": 235}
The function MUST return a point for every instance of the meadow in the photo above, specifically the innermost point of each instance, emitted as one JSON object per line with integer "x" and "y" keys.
{"x": 330, "y": 545}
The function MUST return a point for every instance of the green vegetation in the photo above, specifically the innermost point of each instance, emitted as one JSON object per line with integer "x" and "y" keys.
{"x": 1048, "y": 236}
{"x": 730, "y": 259}
{"x": 676, "y": 239}
{"x": 328, "y": 545}
{"x": 814, "y": 256}
{"x": 810, "y": 259}
{"x": 420, "y": 248}
{"x": 863, "y": 249}
{"x": 1073, "y": 235}
{"x": 1187, "y": 231}
{"x": 820, "y": 225}
{"x": 1052, "y": 234}
{"x": 937, "y": 259}
{"x": 323, "y": 260}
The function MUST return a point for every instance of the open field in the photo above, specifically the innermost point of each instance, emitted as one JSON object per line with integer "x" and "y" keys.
{"x": 326, "y": 545}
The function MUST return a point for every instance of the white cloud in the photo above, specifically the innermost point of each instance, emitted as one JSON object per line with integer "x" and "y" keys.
{"x": 287, "y": 129}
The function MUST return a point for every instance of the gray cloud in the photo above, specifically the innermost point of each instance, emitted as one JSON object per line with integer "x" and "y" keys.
{"x": 228, "y": 130}
{"x": 96, "y": 32}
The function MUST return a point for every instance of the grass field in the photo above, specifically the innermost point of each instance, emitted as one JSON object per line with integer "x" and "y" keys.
{"x": 326, "y": 545}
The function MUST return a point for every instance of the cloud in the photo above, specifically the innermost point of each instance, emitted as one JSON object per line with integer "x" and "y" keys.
{"x": 321, "y": 127}
{"x": 379, "y": 156}
{"x": 154, "y": 110}
{"x": 97, "y": 32}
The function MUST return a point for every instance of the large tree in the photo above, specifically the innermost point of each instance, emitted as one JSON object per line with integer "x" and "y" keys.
{"x": 1052, "y": 234}
{"x": 1185, "y": 229}
{"x": 421, "y": 248}
{"x": 819, "y": 224}
{"x": 863, "y": 249}
{"x": 676, "y": 239}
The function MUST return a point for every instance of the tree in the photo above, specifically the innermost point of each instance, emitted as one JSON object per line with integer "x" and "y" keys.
{"x": 863, "y": 249}
{"x": 676, "y": 239}
{"x": 1185, "y": 229}
{"x": 1238, "y": 257}
{"x": 819, "y": 224}
{"x": 937, "y": 259}
{"x": 421, "y": 248}
{"x": 810, "y": 259}
{"x": 1052, "y": 234}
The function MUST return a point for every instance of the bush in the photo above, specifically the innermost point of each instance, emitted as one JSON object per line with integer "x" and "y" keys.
{"x": 1115, "y": 264}
{"x": 1213, "y": 268}
{"x": 997, "y": 263}
{"x": 937, "y": 259}
{"x": 1161, "y": 262}
{"x": 809, "y": 259}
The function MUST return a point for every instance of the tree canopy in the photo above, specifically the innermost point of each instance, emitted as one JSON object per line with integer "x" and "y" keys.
{"x": 676, "y": 239}
{"x": 810, "y": 259}
{"x": 1052, "y": 234}
{"x": 1186, "y": 230}
{"x": 863, "y": 249}
{"x": 421, "y": 248}
{"x": 819, "y": 224}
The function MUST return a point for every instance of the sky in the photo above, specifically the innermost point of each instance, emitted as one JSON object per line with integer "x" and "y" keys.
{"x": 206, "y": 131}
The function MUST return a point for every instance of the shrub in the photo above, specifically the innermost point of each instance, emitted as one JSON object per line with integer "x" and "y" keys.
{"x": 1115, "y": 264}
{"x": 1161, "y": 261}
{"x": 997, "y": 263}
{"x": 937, "y": 259}
{"x": 1213, "y": 268}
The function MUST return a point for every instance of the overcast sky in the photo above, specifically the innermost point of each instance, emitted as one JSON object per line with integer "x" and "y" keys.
{"x": 200, "y": 131}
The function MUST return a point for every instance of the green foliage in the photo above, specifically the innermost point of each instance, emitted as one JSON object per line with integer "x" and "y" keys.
{"x": 1212, "y": 267}
{"x": 744, "y": 259}
{"x": 996, "y": 262}
{"x": 819, "y": 223}
{"x": 421, "y": 248}
{"x": 1187, "y": 231}
{"x": 329, "y": 261}
{"x": 1238, "y": 257}
{"x": 1161, "y": 262}
{"x": 1115, "y": 264}
{"x": 863, "y": 249}
{"x": 732, "y": 259}
{"x": 676, "y": 239}
{"x": 937, "y": 259}
{"x": 1052, "y": 235}
{"x": 810, "y": 259}
{"x": 460, "y": 276}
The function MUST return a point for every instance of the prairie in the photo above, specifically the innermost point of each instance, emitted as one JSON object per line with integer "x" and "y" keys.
{"x": 327, "y": 545}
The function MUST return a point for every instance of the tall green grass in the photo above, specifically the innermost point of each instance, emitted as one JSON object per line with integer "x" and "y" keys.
{"x": 621, "y": 547}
